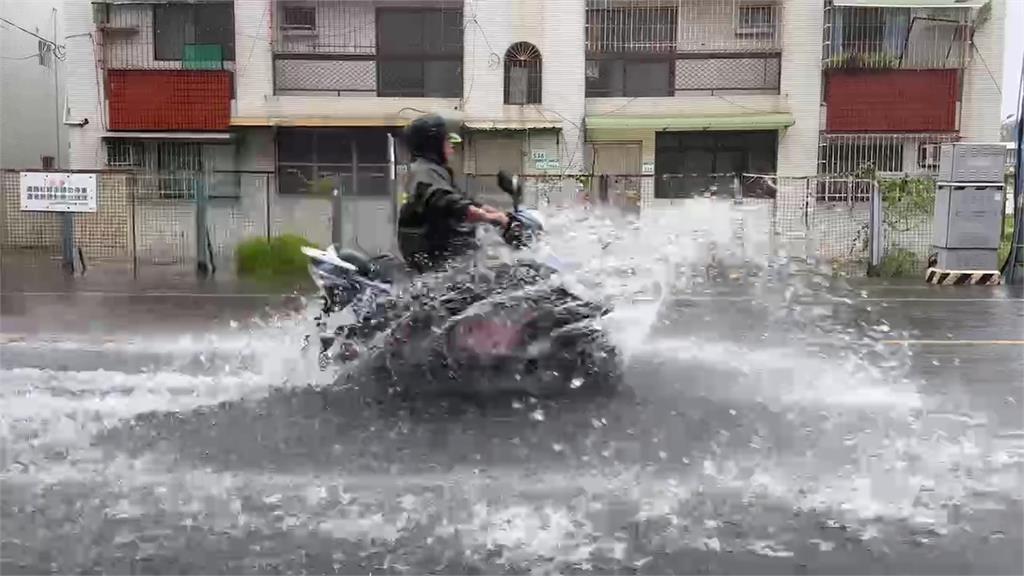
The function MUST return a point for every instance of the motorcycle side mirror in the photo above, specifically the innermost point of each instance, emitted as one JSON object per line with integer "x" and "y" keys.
{"x": 510, "y": 184}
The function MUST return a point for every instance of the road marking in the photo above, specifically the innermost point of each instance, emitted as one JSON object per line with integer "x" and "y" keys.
{"x": 852, "y": 300}
{"x": 150, "y": 294}
{"x": 837, "y": 300}
{"x": 955, "y": 342}
{"x": 940, "y": 299}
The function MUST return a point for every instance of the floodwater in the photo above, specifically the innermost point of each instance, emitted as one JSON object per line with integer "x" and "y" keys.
{"x": 779, "y": 423}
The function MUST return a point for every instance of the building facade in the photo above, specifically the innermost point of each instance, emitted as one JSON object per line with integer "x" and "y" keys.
{"x": 665, "y": 98}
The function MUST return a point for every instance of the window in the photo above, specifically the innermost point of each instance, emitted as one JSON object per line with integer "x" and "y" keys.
{"x": 124, "y": 154}
{"x": 862, "y": 30}
{"x": 631, "y": 52}
{"x": 755, "y": 21}
{"x": 179, "y": 168}
{"x": 844, "y": 158}
{"x": 522, "y": 74}
{"x": 319, "y": 161}
{"x": 49, "y": 162}
{"x": 621, "y": 77}
{"x": 419, "y": 52}
{"x": 641, "y": 29}
{"x": 694, "y": 163}
{"x": 299, "y": 18}
{"x": 928, "y": 155}
{"x": 182, "y": 30}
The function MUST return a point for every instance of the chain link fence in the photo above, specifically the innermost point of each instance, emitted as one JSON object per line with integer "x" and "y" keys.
{"x": 149, "y": 221}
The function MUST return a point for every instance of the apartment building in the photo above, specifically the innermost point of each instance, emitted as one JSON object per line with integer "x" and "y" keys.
{"x": 660, "y": 95}
{"x": 901, "y": 77}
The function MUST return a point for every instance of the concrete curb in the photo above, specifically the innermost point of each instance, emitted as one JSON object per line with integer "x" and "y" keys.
{"x": 962, "y": 277}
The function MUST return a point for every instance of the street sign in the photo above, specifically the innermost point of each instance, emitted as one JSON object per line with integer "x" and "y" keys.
{"x": 58, "y": 192}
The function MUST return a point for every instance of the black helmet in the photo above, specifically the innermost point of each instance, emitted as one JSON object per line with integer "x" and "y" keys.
{"x": 425, "y": 137}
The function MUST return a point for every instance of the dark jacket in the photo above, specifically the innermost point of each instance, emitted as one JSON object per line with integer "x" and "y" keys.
{"x": 432, "y": 227}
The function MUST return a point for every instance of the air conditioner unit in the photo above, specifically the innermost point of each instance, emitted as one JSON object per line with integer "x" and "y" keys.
{"x": 298, "y": 30}
{"x": 928, "y": 155}
{"x": 756, "y": 29}
{"x": 755, "y": 20}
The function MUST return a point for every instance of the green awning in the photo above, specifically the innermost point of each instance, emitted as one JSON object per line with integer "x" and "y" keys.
{"x": 773, "y": 121}
{"x": 911, "y": 3}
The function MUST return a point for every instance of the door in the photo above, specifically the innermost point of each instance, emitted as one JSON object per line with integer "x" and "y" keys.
{"x": 618, "y": 166}
{"x": 490, "y": 153}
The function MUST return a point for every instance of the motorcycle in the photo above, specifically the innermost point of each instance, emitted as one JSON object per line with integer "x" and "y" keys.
{"x": 507, "y": 328}
{"x": 354, "y": 289}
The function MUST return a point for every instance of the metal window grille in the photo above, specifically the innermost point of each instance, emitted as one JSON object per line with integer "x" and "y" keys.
{"x": 654, "y": 48}
{"x": 755, "y": 20}
{"x": 893, "y": 154}
{"x": 638, "y": 27}
{"x": 896, "y": 38}
{"x": 181, "y": 167}
{"x": 337, "y": 47}
{"x": 125, "y": 154}
{"x": 523, "y": 74}
{"x": 325, "y": 27}
{"x": 169, "y": 36}
{"x": 167, "y": 170}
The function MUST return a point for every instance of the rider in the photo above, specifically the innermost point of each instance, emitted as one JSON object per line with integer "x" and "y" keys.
{"x": 436, "y": 222}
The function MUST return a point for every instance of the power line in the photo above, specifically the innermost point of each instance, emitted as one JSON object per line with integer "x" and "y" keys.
{"x": 30, "y": 33}
{"x": 58, "y": 49}
{"x": 987, "y": 69}
{"x": 36, "y": 55}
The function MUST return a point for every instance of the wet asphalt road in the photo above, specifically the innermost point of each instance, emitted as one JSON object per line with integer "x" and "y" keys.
{"x": 869, "y": 430}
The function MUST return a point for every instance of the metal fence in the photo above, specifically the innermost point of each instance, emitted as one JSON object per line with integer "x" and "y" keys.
{"x": 147, "y": 221}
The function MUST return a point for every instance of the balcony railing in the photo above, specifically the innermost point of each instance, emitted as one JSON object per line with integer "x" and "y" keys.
{"x": 168, "y": 36}
{"x": 167, "y": 66}
{"x": 616, "y": 26}
{"x": 896, "y": 38}
{"x": 360, "y": 48}
{"x": 652, "y": 48}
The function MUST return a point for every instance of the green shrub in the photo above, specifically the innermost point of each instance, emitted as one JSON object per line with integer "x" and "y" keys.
{"x": 900, "y": 263}
{"x": 280, "y": 257}
{"x": 1004, "y": 245}
{"x": 862, "y": 61}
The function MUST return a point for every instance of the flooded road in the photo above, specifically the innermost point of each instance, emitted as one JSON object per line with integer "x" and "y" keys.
{"x": 869, "y": 430}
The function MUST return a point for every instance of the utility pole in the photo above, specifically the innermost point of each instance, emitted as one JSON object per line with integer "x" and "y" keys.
{"x": 1013, "y": 271}
{"x": 67, "y": 218}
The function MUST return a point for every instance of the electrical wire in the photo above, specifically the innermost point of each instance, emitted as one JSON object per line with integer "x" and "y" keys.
{"x": 252, "y": 47}
{"x": 59, "y": 50}
{"x": 987, "y": 69}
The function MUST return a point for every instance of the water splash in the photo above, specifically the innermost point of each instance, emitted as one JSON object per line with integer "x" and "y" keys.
{"x": 805, "y": 412}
